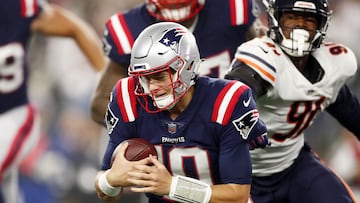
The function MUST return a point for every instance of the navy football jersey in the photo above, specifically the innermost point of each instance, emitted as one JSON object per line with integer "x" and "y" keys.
{"x": 15, "y": 19}
{"x": 220, "y": 27}
{"x": 207, "y": 141}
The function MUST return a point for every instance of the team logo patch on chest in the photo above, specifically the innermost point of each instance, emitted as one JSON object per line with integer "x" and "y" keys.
{"x": 245, "y": 123}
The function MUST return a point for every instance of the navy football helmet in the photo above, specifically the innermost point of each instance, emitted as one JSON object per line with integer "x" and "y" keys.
{"x": 317, "y": 8}
{"x": 174, "y": 10}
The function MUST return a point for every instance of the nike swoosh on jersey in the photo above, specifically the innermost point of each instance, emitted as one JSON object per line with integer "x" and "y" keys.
{"x": 265, "y": 51}
{"x": 247, "y": 103}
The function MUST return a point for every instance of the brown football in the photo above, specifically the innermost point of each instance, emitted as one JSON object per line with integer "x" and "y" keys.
{"x": 138, "y": 149}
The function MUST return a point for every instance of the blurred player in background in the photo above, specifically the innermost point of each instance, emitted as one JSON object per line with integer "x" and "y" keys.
{"x": 219, "y": 27}
{"x": 19, "y": 121}
{"x": 195, "y": 122}
{"x": 295, "y": 76}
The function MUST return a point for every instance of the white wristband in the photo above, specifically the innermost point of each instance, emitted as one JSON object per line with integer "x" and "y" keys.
{"x": 106, "y": 188}
{"x": 189, "y": 190}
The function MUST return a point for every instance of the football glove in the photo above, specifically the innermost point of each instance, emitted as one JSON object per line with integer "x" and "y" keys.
{"x": 259, "y": 142}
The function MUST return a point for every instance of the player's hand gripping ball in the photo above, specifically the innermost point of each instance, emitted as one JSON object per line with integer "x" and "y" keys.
{"x": 137, "y": 149}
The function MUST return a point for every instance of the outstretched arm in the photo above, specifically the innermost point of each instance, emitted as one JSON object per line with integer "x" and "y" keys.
{"x": 57, "y": 21}
{"x": 346, "y": 109}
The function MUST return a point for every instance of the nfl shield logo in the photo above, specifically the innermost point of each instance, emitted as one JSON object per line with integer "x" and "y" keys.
{"x": 171, "y": 128}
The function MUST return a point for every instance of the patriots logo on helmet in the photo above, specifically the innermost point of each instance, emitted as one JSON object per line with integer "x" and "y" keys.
{"x": 111, "y": 120}
{"x": 245, "y": 123}
{"x": 172, "y": 38}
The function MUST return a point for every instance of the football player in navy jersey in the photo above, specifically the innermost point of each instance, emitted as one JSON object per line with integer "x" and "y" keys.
{"x": 295, "y": 75}
{"x": 19, "y": 122}
{"x": 197, "y": 124}
{"x": 219, "y": 27}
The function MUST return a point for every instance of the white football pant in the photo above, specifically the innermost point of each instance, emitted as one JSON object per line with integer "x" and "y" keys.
{"x": 19, "y": 133}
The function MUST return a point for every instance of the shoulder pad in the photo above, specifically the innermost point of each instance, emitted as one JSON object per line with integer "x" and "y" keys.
{"x": 260, "y": 54}
{"x": 126, "y": 99}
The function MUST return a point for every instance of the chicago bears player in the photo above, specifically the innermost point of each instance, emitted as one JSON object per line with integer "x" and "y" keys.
{"x": 295, "y": 76}
{"x": 195, "y": 122}
{"x": 219, "y": 27}
{"x": 19, "y": 122}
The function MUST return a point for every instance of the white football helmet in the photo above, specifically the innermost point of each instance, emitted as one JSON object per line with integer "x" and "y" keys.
{"x": 174, "y": 10}
{"x": 164, "y": 46}
{"x": 299, "y": 43}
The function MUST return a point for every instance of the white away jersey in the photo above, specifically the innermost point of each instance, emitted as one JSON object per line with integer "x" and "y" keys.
{"x": 292, "y": 103}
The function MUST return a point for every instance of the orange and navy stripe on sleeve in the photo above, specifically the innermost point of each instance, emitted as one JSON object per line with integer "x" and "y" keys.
{"x": 261, "y": 66}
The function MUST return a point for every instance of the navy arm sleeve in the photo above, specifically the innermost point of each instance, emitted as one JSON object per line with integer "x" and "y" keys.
{"x": 242, "y": 72}
{"x": 346, "y": 110}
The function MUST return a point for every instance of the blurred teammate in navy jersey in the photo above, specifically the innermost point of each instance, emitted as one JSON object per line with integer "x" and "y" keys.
{"x": 19, "y": 121}
{"x": 197, "y": 124}
{"x": 219, "y": 27}
{"x": 295, "y": 75}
